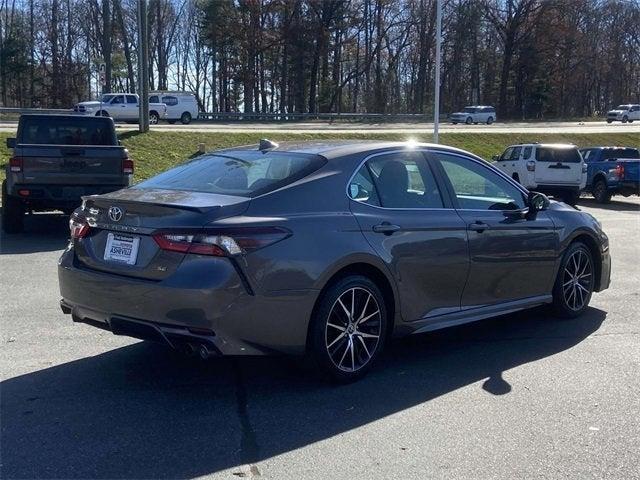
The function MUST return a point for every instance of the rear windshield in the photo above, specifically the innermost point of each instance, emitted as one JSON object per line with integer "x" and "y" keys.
{"x": 611, "y": 153}
{"x": 67, "y": 131}
{"x": 245, "y": 174}
{"x": 566, "y": 155}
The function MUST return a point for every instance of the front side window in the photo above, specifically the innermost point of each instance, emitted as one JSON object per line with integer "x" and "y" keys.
{"x": 506, "y": 155}
{"x": 403, "y": 180}
{"x": 239, "y": 173}
{"x": 154, "y": 99}
{"x": 477, "y": 187}
{"x": 469, "y": 109}
{"x": 117, "y": 100}
{"x": 515, "y": 155}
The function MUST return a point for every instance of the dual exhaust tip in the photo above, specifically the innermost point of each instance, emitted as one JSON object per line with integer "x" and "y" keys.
{"x": 199, "y": 350}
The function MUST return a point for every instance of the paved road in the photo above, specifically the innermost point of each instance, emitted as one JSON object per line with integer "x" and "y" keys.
{"x": 522, "y": 396}
{"x": 415, "y": 128}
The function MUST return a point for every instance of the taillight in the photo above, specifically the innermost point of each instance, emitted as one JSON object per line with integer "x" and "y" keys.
{"x": 127, "y": 166}
{"x": 220, "y": 242}
{"x": 620, "y": 171}
{"x": 531, "y": 166}
{"x": 78, "y": 226}
{"x": 15, "y": 164}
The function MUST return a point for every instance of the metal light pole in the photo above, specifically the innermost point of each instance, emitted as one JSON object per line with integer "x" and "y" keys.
{"x": 143, "y": 67}
{"x": 436, "y": 107}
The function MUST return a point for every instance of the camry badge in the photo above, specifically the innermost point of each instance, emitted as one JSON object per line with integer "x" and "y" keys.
{"x": 115, "y": 214}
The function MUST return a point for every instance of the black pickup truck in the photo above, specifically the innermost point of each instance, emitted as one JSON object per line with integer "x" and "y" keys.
{"x": 56, "y": 160}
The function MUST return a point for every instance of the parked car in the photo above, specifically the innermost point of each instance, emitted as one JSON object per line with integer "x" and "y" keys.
{"x": 624, "y": 113}
{"x": 121, "y": 107}
{"x": 475, "y": 114}
{"x": 181, "y": 106}
{"x": 325, "y": 249}
{"x": 612, "y": 171}
{"x": 554, "y": 169}
{"x": 56, "y": 160}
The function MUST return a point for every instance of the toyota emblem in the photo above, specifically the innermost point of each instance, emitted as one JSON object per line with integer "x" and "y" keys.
{"x": 115, "y": 214}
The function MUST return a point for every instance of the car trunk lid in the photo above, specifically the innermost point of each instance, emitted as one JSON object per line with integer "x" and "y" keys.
{"x": 558, "y": 166}
{"x": 122, "y": 223}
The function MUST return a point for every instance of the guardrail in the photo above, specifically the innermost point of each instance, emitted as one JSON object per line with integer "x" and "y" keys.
{"x": 297, "y": 117}
{"x": 46, "y": 111}
{"x": 267, "y": 117}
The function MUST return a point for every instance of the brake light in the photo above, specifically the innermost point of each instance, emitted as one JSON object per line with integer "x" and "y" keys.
{"x": 78, "y": 226}
{"x": 127, "y": 166}
{"x": 620, "y": 171}
{"x": 15, "y": 164}
{"x": 220, "y": 242}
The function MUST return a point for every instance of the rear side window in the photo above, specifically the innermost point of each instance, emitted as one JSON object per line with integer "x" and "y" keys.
{"x": 132, "y": 99}
{"x": 401, "y": 180}
{"x": 526, "y": 153}
{"x": 154, "y": 99}
{"x": 241, "y": 173}
{"x": 67, "y": 131}
{"x": 564, "y": 155}
{"x": 614, "y": 153}
{"x": 170, "y": 101}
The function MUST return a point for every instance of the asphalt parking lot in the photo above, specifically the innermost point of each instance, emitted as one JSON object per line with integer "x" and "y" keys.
{"x": 520, "y": 396}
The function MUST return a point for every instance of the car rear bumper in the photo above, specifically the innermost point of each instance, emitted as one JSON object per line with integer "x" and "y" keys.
{"x": 53, "y": 196}
{"x": 184, "y": 306}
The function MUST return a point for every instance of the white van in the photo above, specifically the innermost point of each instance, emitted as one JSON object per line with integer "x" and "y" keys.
{"x": 181, "y": 106}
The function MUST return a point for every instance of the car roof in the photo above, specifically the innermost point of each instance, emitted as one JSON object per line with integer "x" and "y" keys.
{"x": 63, "y": 115}
{"x": 546, "y": 145}
{"x": 331, "y": 149}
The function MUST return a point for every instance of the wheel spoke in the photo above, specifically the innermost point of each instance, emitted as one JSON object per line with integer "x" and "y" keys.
{"x": 362, "y": 320}
{"x": 364, "y": 345}
{"x": 337, "y": 327}
{"x": 345, "y": 353}
{"x": 353, "y": 303}
{"x": 364, "y": 310}
{"x": 346, "y": 310}
{"x": 337, "y": 339}
{"x": 353, "y": 354}
{"x": 367, "y": 335}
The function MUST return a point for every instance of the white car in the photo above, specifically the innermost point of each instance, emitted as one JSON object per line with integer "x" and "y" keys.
{"x": 475, "y": 114}
{"x": 554, "y": 169}
{"x": 624, "y": 113}
{"x": 181, "y": 106}
{"x": 120, "y": 107}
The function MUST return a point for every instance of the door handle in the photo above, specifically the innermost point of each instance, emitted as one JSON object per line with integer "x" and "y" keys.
{"x": 386, "y": 228}
{"x": 479, "y": 226}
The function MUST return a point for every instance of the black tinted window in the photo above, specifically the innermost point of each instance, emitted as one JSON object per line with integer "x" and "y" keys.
{"x": 549, "y": 154}
{"x": 132, "y": 99}
{"x": 67, "y": 131}
{"x": 154, "y": 99}
{"x": 118, "y": 99}
{"x": 613, "y": 153}
{"x": 478, "y": 187}
{"x": 404, "y": 180}
{"x": 170, "y": 100}
{"x": 245, "y": 174}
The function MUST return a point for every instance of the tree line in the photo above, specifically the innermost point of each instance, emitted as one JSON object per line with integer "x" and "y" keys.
{"x": 529, "y": 58}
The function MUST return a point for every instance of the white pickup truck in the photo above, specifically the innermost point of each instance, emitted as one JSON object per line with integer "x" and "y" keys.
{"x": 120, "y": 107}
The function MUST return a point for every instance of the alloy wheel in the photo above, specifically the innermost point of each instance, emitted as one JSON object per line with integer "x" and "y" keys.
{"x": 353, "y": 329}
{"x": 577, "y": 280}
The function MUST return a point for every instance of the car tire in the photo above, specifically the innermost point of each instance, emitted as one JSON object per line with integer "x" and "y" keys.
{"x": 600, "y": 191}
{"x": 469, "y": 121}
{"x": 575, "y": 282}
{"x": 12, "y": 212}
{"x": 171, "y": 122}
{"x": 625, "y": 119}
{"x": 489, "y": 120}
{"x": 609, "y": 121}
{"x": 185, "y": 118}
{"x": 154, "y": 118}
{"x": 454, "y": 123}
{"x": 338, "y": 349}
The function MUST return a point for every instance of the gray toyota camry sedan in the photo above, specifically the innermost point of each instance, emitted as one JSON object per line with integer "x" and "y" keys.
{"x": 325, "y": 249}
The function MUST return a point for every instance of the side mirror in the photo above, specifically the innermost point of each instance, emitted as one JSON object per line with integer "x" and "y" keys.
{"x": 495, "y": 158}
{"x": 11, "y": 143}
{"x": 537, "y": 202}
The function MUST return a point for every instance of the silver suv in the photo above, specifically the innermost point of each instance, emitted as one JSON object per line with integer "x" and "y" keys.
{"x": 475, "y": 114}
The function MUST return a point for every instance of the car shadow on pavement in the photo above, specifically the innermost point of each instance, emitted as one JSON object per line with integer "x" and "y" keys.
{"x": 142, "y": 411}
{"x": 43, "y": 232}
{"x": 614, "y": 205}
